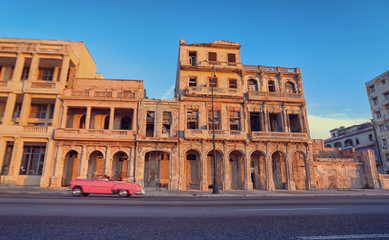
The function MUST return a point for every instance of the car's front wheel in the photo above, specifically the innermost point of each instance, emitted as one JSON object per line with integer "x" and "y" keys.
{"x": 123, "y": 193}
{"x": 77, "y": 192}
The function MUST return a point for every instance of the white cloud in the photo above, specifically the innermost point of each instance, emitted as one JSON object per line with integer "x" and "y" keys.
{"x": 320, "y": 126}
{"x": 168, "y": 93}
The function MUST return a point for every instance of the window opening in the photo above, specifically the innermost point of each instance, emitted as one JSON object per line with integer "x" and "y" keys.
{"x": 7, "y": 158}
{"x": 150, "y": 124}
{"x": 294, "y": 122}
{"x": 217, "y": 122}
{"x": 193, "y": 82}
{"x": 32, "y": 161}
{"x": 289, "y": 87}
{"x": 231, "y": 58}
{"x": 233, "y": 83}
{"x": 375, "y": 101}
{"x": 46, "y": 74}
{"x": 193, "y": 58}
{"x": 357, "y": 141}
{"x": 271, "y": 86}
{"x": 379, "y": 114}
{"x": 348, "y": 143}
{"x": 275, "y": 122}
{"x": 252, "y": 85}
{"x": 235, "y": 121}
{"x": 255, "y": 121}
{"x": 212, "y": 56}
{"x": 192, "y": 119}
{"x": 212, "y": 82}
{"x": 166, "y": 122}
{"x": 38, "y": 110}
{"x": 25, "y": 73}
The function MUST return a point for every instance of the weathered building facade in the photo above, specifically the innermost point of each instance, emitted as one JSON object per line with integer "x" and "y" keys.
{"x": 62, "y": 121}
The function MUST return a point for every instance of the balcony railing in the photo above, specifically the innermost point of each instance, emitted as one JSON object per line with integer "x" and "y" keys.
{"x": 102, "y": 94}
{"x": 40, "y": 129}
{"x": 98, "y": 134}
{"x": 43, "y": 85}
{"x": 3, "y": 83}
{"x": 274, "y": 136}
{"x": 219, "y": 134}
{"x": 270, "y": 68}
{"x": 254, "y": 95}
{"x": 208, "y": 91}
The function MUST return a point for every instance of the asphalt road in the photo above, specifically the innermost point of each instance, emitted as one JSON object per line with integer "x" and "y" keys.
{"x": 110, "y": 217}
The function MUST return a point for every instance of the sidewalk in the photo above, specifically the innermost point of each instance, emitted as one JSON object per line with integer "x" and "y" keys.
{"x": 232, "y": 193}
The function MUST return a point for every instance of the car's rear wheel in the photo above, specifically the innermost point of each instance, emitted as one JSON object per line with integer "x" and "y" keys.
{"x": 77, "y": 192}
{"x": 123, "y": 193}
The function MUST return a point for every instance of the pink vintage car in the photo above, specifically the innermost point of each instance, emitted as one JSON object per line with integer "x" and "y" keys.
{"x": 83, "y": 187}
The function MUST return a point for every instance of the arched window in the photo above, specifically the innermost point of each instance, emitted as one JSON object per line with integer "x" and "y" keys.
{"x": 337, "y": 145}
{"x": 252, "y": 85}
{"x": 82, "y": 122}
{"x": 348, "y": 143}
{"x": 271, "y": 86}
{"x": 289, "y": 87}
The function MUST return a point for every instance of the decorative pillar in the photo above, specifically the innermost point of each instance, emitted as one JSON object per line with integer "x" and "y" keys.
{"x": 64, "y": 116}
{"x": 269, "y": 173}
{"x": 48, "y": 164}
{"x": 289, "y": 174}
{"x": 9, "y": 109}
{"x": 16, "y": 158}
{"x": 56, "y": 114}
{"x": 265, "y": 118}
{"x": 32, "y": 75}
{"x": 248, "y": 184}
{"x": 83, "y": 166}
{"x": 204, "y": 170}
{"x": 3, "y": 145}
{"x": 26, "y": 106}
{"x": 59, "y": 158}
{"x": 17, "y": 75}
{"x": 111, "y": 118}
{"x": 108, "y": 161}
{"x": 131, "y": 165}
{"x": 226, "y": 170}
{"x": 64, "y": 69}
{"x": 134, "y": 118}
{"x": 88, "y": 117}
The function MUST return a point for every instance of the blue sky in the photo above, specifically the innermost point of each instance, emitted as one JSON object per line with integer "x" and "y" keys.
{"x": 339, "y": 45}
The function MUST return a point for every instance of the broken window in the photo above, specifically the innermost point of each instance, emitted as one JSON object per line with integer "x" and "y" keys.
{"x": 271, "y": 86}
{"x": 46, "y": 74}
{"x": 166, "y": 123}
{"x": 150, "y": 124}
{"x": 372, "y": 89}
{"x": 25, "y": 73}
{"x": 252, "y": 85}
{"x": 235, "y": 121}
{"x": 294, "y": 122}
{"x": 212, "y": 82}
{"x": 216, "y": 115}
{"x": 192, "y": 81}
{"x": 375, "y": 101}
{"x": 289, "y": 87}
{"x": 275, "y": 122}
{"x": 193, "y": 58}
{"x": 212, "y": 57}
{"x": 233, "y": 83}
{"x": 231, "y": 58}
{"x": 192, "y": 119}
{"x": 255, "y": 121}
{"x": 378, "y": 114}
{"x": 357, "y": 141}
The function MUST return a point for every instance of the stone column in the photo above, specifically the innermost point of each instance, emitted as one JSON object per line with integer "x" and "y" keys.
{"x": 26, "y": 106}
{"x": 64, "y": 117}
{"x": 9, "y": 109}
{"x": 289, "y": 174}
{"x": 111, "y": 118}
{"x": 139, "y": 167}
{"x": 284, "y": 121}
{"x": 16, "y": 158}
{"x": 32, "y": 75}
{"x": 248, "y": 183}
{"x": 83, "y": 166}
{"x": 134, "y": 120}
{"x": 204, "y": 170}
{"x": 226, "y": 171}
{"x": 131, "y": 166}
{"x": 59, "y": 158}
{"x": 310, "y": 171}
{"x": 88, "y": 117}
{"x": 176, "y": 164}
{"x": 56, "y": 114}
{"x": 18, "y": 68}
{"x": 108, "y": 161}
{"x": 269, "y": 173}
{"x": 265, "y": 118}
{"x": 48, "y": 165}
{"x": 64, "y": 69}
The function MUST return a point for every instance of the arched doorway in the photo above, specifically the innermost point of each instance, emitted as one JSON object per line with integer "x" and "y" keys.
{"x": 70, "y": 168}
{"x": 82, "y": 122}
{"x": 279, "y": 170}
{"x": 258, "y": 170}
{"x": 192, "y": 168}
{"x": 120, "y": 166}
{"x": 219, "y": 168}
{"x": 157, "y": 169}
{"x": 299, "y": 171}
{"x": 95, "y": 164}
{"x": 237, "y": 170}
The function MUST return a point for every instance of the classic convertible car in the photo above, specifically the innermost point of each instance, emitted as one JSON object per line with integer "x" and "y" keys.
{"x": 83, "y": 187}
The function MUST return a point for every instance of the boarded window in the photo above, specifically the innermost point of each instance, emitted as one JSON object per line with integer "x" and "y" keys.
{"x": 192, "y": 119}
{"x": 231, "y": 58}
{"x": 193, "y": 82}
{"x": 235, "y": 121}
{"x": 233, "y": 83}
{"x": 212, "y": 82}
{"x": 216, "y": 115}
{"x": 212, "y": 57}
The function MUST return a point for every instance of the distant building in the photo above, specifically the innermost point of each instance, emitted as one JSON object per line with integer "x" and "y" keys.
{"x": 360, "y": 137}
{"x": 378, "y": 92}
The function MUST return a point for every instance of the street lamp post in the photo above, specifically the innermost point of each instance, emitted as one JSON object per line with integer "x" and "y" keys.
{"x": 215, "y": 189}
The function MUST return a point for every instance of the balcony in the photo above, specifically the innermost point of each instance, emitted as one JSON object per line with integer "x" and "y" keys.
{"x": 94, "y": 134}
{"x": 10, "y": 86}
{"x": 89, "y": 93}
{"x": 279, "y": 136}
{"x": 271, "y": 69}
{"x": 207, "y": 91}
{"x": 42, "y": 87}
{"x": 274, "y": 96}
{"x": 219, "y": 134}
{"x": 26, "y": 131}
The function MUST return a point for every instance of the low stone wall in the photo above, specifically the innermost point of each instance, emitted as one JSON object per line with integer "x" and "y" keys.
{"x": 384, "y": 180}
